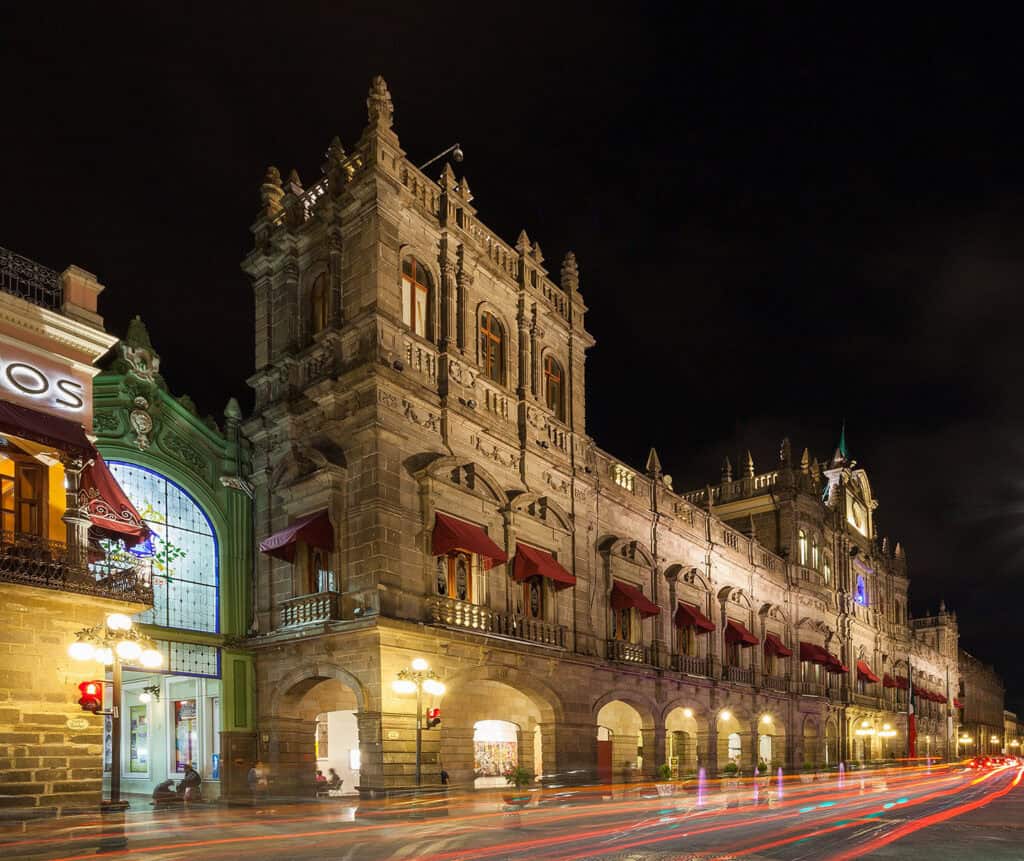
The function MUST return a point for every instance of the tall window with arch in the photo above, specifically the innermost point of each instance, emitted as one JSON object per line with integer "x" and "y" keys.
{"x": 815, "y": 553}
{"x": 492, "y": 347}
{"x": 625, "y": 625}
{"x": 460, "y": 575}
{"x": 554, "y": 387}
{"x": 801, "y": 543}
{"x": 826, "y": 570}
{"x": 417, "y": 293}
{"x": 319, "y": 304}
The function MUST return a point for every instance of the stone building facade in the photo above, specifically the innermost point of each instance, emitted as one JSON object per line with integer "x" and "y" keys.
{"x": 188, "y": 478}
{"x": 982, "y": 696}
{"x": 54, "y": 496}
{"x": 425, "y": 487}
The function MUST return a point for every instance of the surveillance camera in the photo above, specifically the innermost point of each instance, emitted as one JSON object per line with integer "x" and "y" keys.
{"x": 457, "y": 154}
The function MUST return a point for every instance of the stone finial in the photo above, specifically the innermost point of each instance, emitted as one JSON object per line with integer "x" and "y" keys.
{"x": 885, "y": 546}
{"x": 232, "y": 411}
{"x": 785, "y": 452}
{"x": 653, "y": 466}
{"x": 295, "y": 182}
{"x": 523, "y": 243}
{"x": 464, "y": 191}
{"x": 538, "y": 255}
{"x": 570, "y": 273}
{"x": 446, "y": 179}
{"x": 337, "y": 166}
{"x": 380, "y": 110}
{"x": 815, "y": 469}
{"x": 749, "y": 466}
{"x": 942, "y": 605}
{"x": 726, "y": 470}
{"x": 805, "y": 461}
{"x": 899, "y": 550}
{"x": 271, "y": 192}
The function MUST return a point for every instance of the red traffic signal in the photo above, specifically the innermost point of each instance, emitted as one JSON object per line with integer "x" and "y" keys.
{"x": 433, "y": 718}
{"x": 92, "y": 696}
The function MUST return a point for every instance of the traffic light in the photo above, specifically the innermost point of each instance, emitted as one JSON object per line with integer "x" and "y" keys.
{"x": 92, "y": 696}
{"x": 433, "y": 718}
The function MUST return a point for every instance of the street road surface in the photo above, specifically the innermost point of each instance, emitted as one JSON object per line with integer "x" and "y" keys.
{"x": 898, "y": 813}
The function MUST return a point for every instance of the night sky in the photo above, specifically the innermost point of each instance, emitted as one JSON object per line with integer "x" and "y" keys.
{"x": 780, "y": 222}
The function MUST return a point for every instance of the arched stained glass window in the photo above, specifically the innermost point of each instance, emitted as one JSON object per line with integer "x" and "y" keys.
{"x": 185, "y": 570}
{"x": 861, "y": 595}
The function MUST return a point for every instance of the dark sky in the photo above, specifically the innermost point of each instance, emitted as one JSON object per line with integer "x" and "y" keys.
{"x": 781, "y": 221}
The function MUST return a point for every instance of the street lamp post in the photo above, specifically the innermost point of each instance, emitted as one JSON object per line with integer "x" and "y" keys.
{"x": 110, "y": 643}
{"x": 415, "y": 681}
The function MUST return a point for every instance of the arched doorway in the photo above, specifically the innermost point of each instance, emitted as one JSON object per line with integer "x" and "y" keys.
{"x": 771, "y": 742}
{"x": 810, "y": 739}
{"x": 733, "y": 741}
{"x": 685, "y": 740}
{"x": 491, "y": 726}
{"x": 313, "y": 725}
{"x": 620, "y": 742}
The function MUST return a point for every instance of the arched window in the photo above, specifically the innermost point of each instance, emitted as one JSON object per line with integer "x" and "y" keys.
{"x": 184, "y": 547}
{"x": 826, "y": 570}
{"x": 319, "y": 304}
{"x": 554, "y": 387}
{"x": 492, "y": 347}
{"x": 815, "y": 555}
{"x": 801, "y": 542}
{"x": 417, "y": 292}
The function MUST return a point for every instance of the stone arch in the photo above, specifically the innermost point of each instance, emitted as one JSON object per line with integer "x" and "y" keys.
{"x": 465, "y": 475}
{"x": 290, "y": 724}
{"x": 774, "y": 751}
{"x": 686, "y": 736}
{"x": 736, "y": 596}
{"x": 429, "y": 261}
{"x": 633, "y": 551}
{"x": 625, "y": 737}
{"x": 774, "y": 611}
{"x": 810, "y": 738}
{"x": 493, "y": 693}
{"x": 732, "y": 729}
{"x": 539, "y": 506}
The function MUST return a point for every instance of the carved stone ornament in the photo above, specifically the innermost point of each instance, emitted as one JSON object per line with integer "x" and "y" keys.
{"x": 141, "y": 422}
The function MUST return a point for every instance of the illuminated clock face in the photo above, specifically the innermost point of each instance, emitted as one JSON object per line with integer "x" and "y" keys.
{"x": 857, "y": 516}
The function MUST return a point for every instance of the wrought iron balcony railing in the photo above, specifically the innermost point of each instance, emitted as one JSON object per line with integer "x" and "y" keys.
{"x": 30, "y": 281}
{"x": 30, "y": 560}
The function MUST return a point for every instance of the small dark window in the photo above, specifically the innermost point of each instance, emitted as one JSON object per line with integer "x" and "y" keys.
{"x": 319, "y": 304}
{"x": 554, "y": 387}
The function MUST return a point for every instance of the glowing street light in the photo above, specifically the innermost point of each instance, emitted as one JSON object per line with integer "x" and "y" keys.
{"x": 110, "y": 643}
{"x": 415, "y": 681}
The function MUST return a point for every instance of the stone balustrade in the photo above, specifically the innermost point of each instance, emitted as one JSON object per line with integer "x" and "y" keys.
{"x": 475, "y": 617}
{"x": 305, "y": 609}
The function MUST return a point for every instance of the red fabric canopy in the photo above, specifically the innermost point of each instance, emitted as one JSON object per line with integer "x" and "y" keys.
{"x": 529, "y": 561}
{"x": 889, "y": 682}
{"x": 689, "y": 616}
{"x": 109, "y": 508}
{"x": 62, "y": 434}
{"x": 774, "y": 646}
{"x": 450, "y": 533}
{"x": 313, "y": 529}
{"x": 835, "y": 665}
{"x": 901, "y": 683}
{"x": 864, "y": 671}
{"x": 957, "y": 704}
{"x": 814, "y": 654}
{"x": 624, "y": 595}
{"x": 736, "y": 632}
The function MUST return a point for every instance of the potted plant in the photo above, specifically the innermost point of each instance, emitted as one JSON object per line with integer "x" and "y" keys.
{"x": 518, "y": 778}
{"x": 663, "y": 784}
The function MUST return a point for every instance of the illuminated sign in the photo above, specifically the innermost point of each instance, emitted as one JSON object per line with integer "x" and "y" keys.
{"x": 33, "y": 382}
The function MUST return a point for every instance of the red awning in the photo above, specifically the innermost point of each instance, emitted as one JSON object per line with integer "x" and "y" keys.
{"x": 62, "y": 434}
{"x": 736, "y": 632}
{"x": 835, "y": 665}
{"x": 814, "y": 654}
{"x": 957, "y": 704}
{"x": 901, "y": 683}
{"x": 624, "y": 595}
{"x": 864, "y": 671}
{"x": 529, "y": 561}
{"x": 689, "y": 616}
{"x": 774, "y": 646}
{"x": 450, "y": 533}
{"x": 313, "y": 529}
{"x": 109, "y": 508}
{"x": 889, "y": 682}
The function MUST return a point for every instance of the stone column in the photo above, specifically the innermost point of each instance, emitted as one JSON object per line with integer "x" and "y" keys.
{"x": 456, "y": 756}
{"x": 710, "y": 755}
{"x": 289, "y": 755}
{"x": 75, "y": 518}
{"x": 654, "y": 750}
{"x": 569, "y": 747}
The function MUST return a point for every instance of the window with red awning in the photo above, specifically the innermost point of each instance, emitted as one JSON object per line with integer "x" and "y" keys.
{"x": 625, "y": 595}
{"x": 689, "y": 616}
{"x": 109, "y": 508}
{"x": 530, "y": 562}
{"x": 773, "y": 645}
{"x": 814, "y": 654}
{"x": 737, "y": 632}
{"x": 864, "y": 672}
{"x": 450, "y": 533}
{"x": 835, "y": 665}
{"x": 312, "y": 529}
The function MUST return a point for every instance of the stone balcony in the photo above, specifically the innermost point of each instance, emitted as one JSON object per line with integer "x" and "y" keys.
{"x": 29, "y": 560}
{"x": 483, "y": 620}
{"x": 306, "y": 609}
{"x": 691, "y": 665}
{"x": 627, "y": 653}
{"x": 740, "y": 675}
{"x": 776, "y": 683}
{"x": 866, "y": 700}
{"x": 812, "y": 689}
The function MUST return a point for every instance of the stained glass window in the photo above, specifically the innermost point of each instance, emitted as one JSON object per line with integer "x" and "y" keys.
{"x": 861, "y": 595}
{"x": 184, "y": 546}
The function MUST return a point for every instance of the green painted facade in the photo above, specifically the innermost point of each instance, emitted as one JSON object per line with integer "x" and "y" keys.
{"x": 138, "y": 421}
